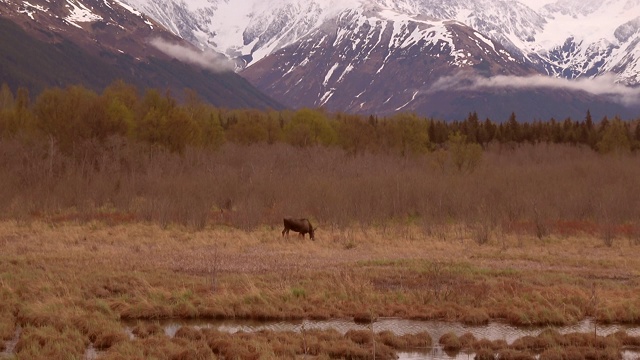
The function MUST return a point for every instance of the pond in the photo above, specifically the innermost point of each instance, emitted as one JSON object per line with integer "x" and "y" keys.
{"x": 491, "y": 331}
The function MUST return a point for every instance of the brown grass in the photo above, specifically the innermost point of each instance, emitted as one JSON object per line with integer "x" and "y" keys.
{"x": 450, "y": 342}
{"x": 154, "y": 235}
{"x": 547, "y": 345}
{"x": 144, "y": 330}
{"x": 46, "y": 342}
{"x": 542, "y": 190}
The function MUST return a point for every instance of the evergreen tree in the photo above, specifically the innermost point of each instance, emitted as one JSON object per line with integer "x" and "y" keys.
{"x": 490, "y": 129}
{"x": 472, "y": 124}
{"x": 587, "y": 132}
{"x": 588, "y": 121}
{"x": 636, "y": 136}
{"x": 615, "y": 138}
{"x": 511, "y": 131}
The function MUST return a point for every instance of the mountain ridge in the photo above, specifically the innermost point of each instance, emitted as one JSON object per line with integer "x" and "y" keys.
{"x": 538, "y": 36}
{"x": 339, "y": 55}
{"x": 95, "y": 42}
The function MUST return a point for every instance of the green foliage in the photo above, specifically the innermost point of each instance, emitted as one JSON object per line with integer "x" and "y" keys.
{"x": 120, "y": 101}
{"x": 178, "y": 130}
{"x": 308, "y": 128}
{"x": 615, "y": 138}
{"x": 465, "y": 156}
{"x": 406, "y": 134}
{"x": 72, "y": 116}
{"x": 354, "y": 135}
{"x": 210, "y": 131}
{"x": 68, "y": 116}
{"x": 165, "y": 123}
{"x": 248, "y": 127}
{"x": 119, "y": 118}
{"x": 274, "y": 126}
{"x": 414, "y": 133}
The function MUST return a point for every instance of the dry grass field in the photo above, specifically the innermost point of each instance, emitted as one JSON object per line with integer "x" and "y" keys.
{"x": 67, "y": 285}
{"x": 126, "y": 233}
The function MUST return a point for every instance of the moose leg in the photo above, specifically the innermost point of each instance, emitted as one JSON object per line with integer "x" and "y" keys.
{"x": 285, "y": 230}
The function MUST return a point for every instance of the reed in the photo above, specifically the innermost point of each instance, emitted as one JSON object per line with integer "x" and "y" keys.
{"x": 47, "y": 342}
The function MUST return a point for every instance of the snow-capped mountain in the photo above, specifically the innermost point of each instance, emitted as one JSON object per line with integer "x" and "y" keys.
{"x": 428, "y": 56}
{"x": 590, "y": 38}
{"x": 95, "y": 42}
{"x": 377, "y": 66}
{"x": 568, "y": 38}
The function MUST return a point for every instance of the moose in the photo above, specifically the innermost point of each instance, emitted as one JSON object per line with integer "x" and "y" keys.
{"x": 301, "y": 226}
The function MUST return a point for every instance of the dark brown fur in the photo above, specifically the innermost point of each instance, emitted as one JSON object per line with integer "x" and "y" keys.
{"x": 302, "y": 226}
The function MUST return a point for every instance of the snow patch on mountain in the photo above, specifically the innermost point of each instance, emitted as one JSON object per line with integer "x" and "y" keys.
{"x": 587, "y": 38}
{"x": 125, "y": 6}
{"x": 79, "y": 13}
{"x": 566, "y": 38}
{"x": 30, "y": 9}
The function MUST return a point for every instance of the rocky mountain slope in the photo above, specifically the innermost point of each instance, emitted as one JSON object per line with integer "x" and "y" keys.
{"x": 570, "y": 38}
{"x": 95, "y": 42}
{"x": 435, "y": 57}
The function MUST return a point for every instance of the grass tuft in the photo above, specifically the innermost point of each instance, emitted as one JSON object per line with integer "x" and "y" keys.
{"x": 144, "y": 330}
{"x": 450, "y": 342}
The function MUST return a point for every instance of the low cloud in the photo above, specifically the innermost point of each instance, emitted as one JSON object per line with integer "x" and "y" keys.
{"x": 604, "y": 85}
{"x": 205, "y": 59}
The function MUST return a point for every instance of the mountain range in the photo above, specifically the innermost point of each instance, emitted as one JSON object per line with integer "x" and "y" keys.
{"x": 439, "y": 58}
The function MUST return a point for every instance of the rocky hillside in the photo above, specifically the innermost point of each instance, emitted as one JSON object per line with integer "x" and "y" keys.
{"x": 434, "y": 57}
{"x": 94, "y": 42}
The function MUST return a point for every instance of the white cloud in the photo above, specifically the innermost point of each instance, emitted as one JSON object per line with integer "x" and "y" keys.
{"x": 604, "y": 85}
{"x": 206, "y": 59}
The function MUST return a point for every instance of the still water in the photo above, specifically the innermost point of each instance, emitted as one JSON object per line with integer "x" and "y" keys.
{"x": 492, "y": 331}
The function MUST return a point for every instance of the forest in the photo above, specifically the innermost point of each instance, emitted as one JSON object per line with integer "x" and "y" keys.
{"x": 74, "y": 115}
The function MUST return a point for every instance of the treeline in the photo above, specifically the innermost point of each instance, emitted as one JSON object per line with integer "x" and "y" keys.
{"x": 71, "y": 116}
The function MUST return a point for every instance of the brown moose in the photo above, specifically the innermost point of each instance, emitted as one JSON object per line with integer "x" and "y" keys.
{"x": 302, "y": 226}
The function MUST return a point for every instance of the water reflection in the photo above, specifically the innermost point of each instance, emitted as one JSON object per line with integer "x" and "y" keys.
{"x": 437, "y": 353}
{"x": 492, "y": 331}
{"x": 10, "y": 345}
{"x": 440, "y": 355}
{"x": 626, "y": 355}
